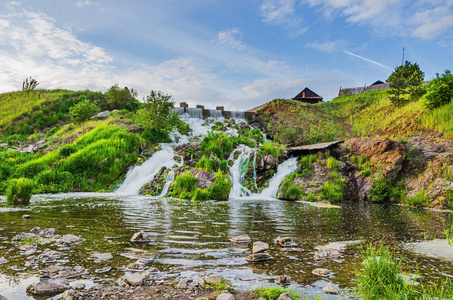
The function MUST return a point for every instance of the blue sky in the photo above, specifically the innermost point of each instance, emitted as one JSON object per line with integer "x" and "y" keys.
{"x": 239, "y": 54}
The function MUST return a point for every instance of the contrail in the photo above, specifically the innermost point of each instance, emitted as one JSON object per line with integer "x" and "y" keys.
{"x": 368, "y": 60}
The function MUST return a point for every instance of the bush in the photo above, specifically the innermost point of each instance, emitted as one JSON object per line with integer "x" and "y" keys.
{"x": 206, "y": 164}
{"x": 273, "y": 149}
{"x": 153, "y": 135}
{"x": 420, "y": 199}
{"x": 273, "y": 293}
{"x": 19, "y": 191}
{"x": 220, "y": 190}
{"x": 293, "y": 193}
{"x": 440, "y": 91}
{"x": 185, "y": 186}
{"x": 307, "y": 160}
{"x": 121, "y": 98}
{"x": 54, "y": 181}
{"x": 332, "y": 191}
{"x": 67, "y": 150}
{"x": 383, "y": 190}
{"x": 83, "y": 110}
{"x": 311, "y": 198}
{"x": 332, "y": 163}
{"x": 218, "y": 143}
{"x": 223, "y": 166}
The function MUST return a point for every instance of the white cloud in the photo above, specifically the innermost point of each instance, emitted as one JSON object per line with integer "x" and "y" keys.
{"x": 231, "y": 38}
{"x": 327, "y": 46}
{"x": 282, "y": 12}
{"x": 84, "y": 3}
{"x": 422, "y": 19}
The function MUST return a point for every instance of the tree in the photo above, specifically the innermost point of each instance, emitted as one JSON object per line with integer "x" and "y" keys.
{"x": 29, "y": 84}
{"x": 440, "y": 91}
{"x": 83, "y": 110}
{"x": 406, "y": 78}
{"x": 120, "y": 98}
{"x": 157, "y": 117}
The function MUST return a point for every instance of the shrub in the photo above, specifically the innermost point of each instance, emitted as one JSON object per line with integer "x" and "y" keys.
{"x": 67, "y": 150}
{"x": 273, "y": 149}
{"x": 307, "y": 160}
{"x": 440, "y": 91}
{"x": 220, "y": 190}
{"x": 420, "y": 199}
{"x": 311, "y": 198}
{"x": 19, "y": 191}
{"x": 156, "y": 136}
{"x": 185, "y": 186}
{"x": 293, "y": 192}
{"x": 223, "y": 166}
{"x": 31, "y": 168}
{"x": 120, "y": 98}
{"x": 383, "y": 190}
{"x": 332, "y": 191}
{"x": 218, "y": 143}
{"x": 201, "y": 195}
{"x": 206, "y": 164}
{"x": 332, "y": 163}
{"x": 83, "y": 110}
{"x": 54, "y": 181}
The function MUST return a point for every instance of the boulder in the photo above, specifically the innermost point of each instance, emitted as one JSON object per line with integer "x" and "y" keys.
{"x": 70, "y": 239}
{"x": 205, "y": 179}
{"x": 285, "y": 296}
{"x": 46, "y": 287}
{"x": 321, "y": 272}
{"x": 3, "y": 260}
{"x": 285, "y": 242}
{"x": 383, "y": 153}
{"x": 330, "y": 289}
{"x": 241, "y": 239}
{"x": 103, "y": 256}
{"x": 183, "y": 283}
{"x": 259, "y": 247}
{"x": 136, "y": 266}
{"x": 135, "y": 279}
{"x": 102, "y": 115}
{"x": 283, "y": 279}
{"x": 225, "y": 296}
{"x": 213, "y": 279}
{"x": 324, "y": 252}
{"x": 26, "y": 217}
{"x": 258, "y": 257}
{"x": 140, "y": 237}
{"x": 68, "y": 295}
{"x": 56, "y": 272}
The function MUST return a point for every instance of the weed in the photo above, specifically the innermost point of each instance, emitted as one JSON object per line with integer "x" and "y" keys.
{"x": 332, "y": 163}
{"x": 293, "y": 192}
{"x": 19, "y": 191}
{"x": 273, "y": 293}
{"x": 420, "y": 199}
{"x": 311, "y": 198}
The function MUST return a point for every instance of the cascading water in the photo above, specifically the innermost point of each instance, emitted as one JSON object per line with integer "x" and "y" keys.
{"x": 214, "y": 113}
{"x": 137, "y": 177}
{"x": 237, "y": 172}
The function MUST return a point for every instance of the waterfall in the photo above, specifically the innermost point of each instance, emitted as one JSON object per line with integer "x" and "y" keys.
{"x": 170, "y": 178}
{"x": 237, "y": 115}
{"x": 284, "y": 169}
{"x": 214, "y": 113}
{"x": 237, "y": 172}
{"x": 138, "y": 176}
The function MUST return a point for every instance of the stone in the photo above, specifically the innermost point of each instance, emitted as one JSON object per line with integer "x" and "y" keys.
{"x": 205, "y": 179}
{"x": 183, "y": 283}
{"x": 103, "y": 256}
{"x": 26, "y": 217}
{"x": 324, "y": 252}
{"x": 136, "y": 266}
{"x": 241, "y": 239}
{"x": 330, "y": 289}
{"x": 225, "y": 296}
{"x": 258, "y": 257}
{"x": 283, "y": 279}
{"x": 23, "y": 236}
{"x": 102, "y": 115}
{"x": 3, "y": 260}
{"x": 68, "y": 295}
{"x": 137, "y": 256}
{"x": 79, "y": 286}
{"x": 45, "y": 286}
{"x": 56, "y": 272}
{"x": 140, "y": 237}
{"x": 135, "y": 279}
{"x": 259, "y": 247}
{"x": 3, "y": 238}
{"x": 70, "y": 239}
{"x": 103, "y": 270}
{"x": 213, "y": 279}
{"x": 35, "y": 230}
{"x": 3, "y": 144}
{"x": 285, "y": 242}
{"x": 321, "y": 272}
{"x": 285, "y": 296}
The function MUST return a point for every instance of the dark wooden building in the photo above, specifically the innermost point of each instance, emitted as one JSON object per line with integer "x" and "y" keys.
{"x": 308, "y": 96}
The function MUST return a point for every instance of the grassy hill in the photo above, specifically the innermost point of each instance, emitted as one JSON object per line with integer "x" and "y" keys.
{"x": 363, "y": 115}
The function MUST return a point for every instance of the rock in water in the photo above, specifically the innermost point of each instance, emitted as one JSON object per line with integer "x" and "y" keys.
{"x": 44, "y": 287}
{"x": 213, "y": 279}
{"x": 241, "y": 239}
{"x": 321, "y": 272}
{"x": 70, "y": 239}
{"x": 283, "y": 279}
{"x": 258, "y": 257}
{"x": 285, "y": 242}
{"x": 324, "y": 252}
{"x": 140, "y": 237}
{"x": 259, "y": 247}
{"x": 330, "y": 289}
{"x": 26, "y": 217}
{"x": 55, "y": 272}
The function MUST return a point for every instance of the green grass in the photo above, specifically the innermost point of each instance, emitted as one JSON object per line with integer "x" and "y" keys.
{"x": 272, "y": 293}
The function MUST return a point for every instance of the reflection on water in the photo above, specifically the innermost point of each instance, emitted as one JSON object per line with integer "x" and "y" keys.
{"x": 195, "y": 236}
